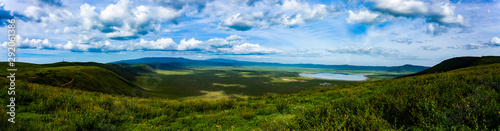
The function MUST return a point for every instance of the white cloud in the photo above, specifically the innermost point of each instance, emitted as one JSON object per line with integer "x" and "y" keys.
{"x": 430, "y": 48}
{"x": 442, "y": 13}
{"x": 101, "y": 46}
{"x": 73, "y": 47}
{"x": 403, "y": 40}
{"x": 191, "y": 44}
{"x": 262, "y": 14}
{"x": 170, "y": 30}
{"x": 365, "y": 17}
{"x": 31, "y": 43}
{"x": 494, "y": 42}
{"x": 124, "y": 21}
{"x": 34, "y": 13}
{"x": 105, "y": 46}
{"x": 369, "y": 50}
{"x": 89, "y": 16}
{"x": 159, "y": 44}
{"x": 247, "y": 48}
{"x": 238, "y": 22}
{"x": 231, "y": 45}
{"x": 436, "y": 29}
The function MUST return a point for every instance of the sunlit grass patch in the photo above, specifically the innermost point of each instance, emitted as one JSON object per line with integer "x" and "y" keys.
{"x": 229, "y": 85}
{"x": 222, "y": 75}
{"x": 166, "y": 72}
{"x": 214, "y": 95}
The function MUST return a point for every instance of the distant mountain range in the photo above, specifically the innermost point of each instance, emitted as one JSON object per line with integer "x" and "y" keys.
{"x": 171, "y": 63}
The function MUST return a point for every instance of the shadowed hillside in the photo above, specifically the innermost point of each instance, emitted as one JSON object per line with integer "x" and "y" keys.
{"x": 90, "y": 76}
{"x": 459, "y": 62}
{"x": 124, "y": 70}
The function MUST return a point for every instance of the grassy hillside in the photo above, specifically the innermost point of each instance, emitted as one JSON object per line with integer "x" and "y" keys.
{"x": 459, "y": 62}
{"x": 463, "y": 99}
{"x": 88, "y": 78}
{"x": 124, "y": 70}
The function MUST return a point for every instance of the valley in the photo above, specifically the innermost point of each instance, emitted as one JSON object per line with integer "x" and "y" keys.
{"x": 89, "y": 96}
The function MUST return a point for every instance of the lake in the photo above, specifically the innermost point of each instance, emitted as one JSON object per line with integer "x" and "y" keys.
{"x": 335, "y": 76}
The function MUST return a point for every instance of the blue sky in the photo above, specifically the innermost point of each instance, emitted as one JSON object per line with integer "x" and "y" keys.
{"x": 355, "y": 32}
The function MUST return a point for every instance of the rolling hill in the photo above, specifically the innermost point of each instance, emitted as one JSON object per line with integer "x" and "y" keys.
{"x": 89, "y": 76}
{"x": 124, "y": 70}
{"x": 459, "y": 62}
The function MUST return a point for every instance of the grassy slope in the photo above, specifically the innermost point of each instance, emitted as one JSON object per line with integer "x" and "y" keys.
{"x": 461, "y": 99}
{"x": 124, "y": 70}
{"x": 89, "y": 78}
{"x": 459, "y": 62}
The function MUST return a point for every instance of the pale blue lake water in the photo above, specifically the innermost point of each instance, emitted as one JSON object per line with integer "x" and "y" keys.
{"x": 335, "y": 76}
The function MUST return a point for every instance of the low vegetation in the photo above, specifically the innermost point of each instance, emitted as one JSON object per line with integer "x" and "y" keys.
{"x": 216, "y": 84}
{"x": 463, "y": 99}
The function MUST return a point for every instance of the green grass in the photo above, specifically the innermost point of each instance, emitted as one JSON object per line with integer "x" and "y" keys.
{"x": 464, "y": 99}
{"x": 88, "y": 78}
{"x": 194, "y": 84}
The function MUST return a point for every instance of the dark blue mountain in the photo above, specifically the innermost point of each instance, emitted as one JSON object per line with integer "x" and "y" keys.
{"x": 173, "y": 63}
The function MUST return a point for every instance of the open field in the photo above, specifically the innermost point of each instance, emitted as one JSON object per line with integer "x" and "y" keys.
{"x": 216, "y": 84}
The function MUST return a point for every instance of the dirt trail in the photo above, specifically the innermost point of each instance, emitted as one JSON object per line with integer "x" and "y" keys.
{"x": 72, "y": 79}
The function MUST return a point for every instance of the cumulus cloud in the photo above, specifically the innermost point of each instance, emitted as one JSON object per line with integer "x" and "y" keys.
{"x": 49, "y": 18}
{"x": 192, "y": 44}
{"x": 123, "y": 21}
{"x": 231, "y": 45}
{"x": 436, "y": 29}
{"x": 369, "y": 50}
{"x": 35, "y": 13}
{"x": 430, "y": 48}
{"x": 248, "y": 48}
{"x": 365, "y": 17}
{"x": 441, "y": 13}
{"x": 245, "y": 15}
{"x": 160, "y": 44}
{"x": 494, "y": 42}
{"x": 105, "y": 46}
{"x": 238, "y": 22}
{"x": 31, "y": 43}
{"x": 45, "y": 44}
{"x": 73, "y": 47}
{"x": 403, "y": 40}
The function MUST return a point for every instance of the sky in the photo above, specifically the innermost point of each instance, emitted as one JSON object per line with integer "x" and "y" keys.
{"x": 354, "y": 32}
